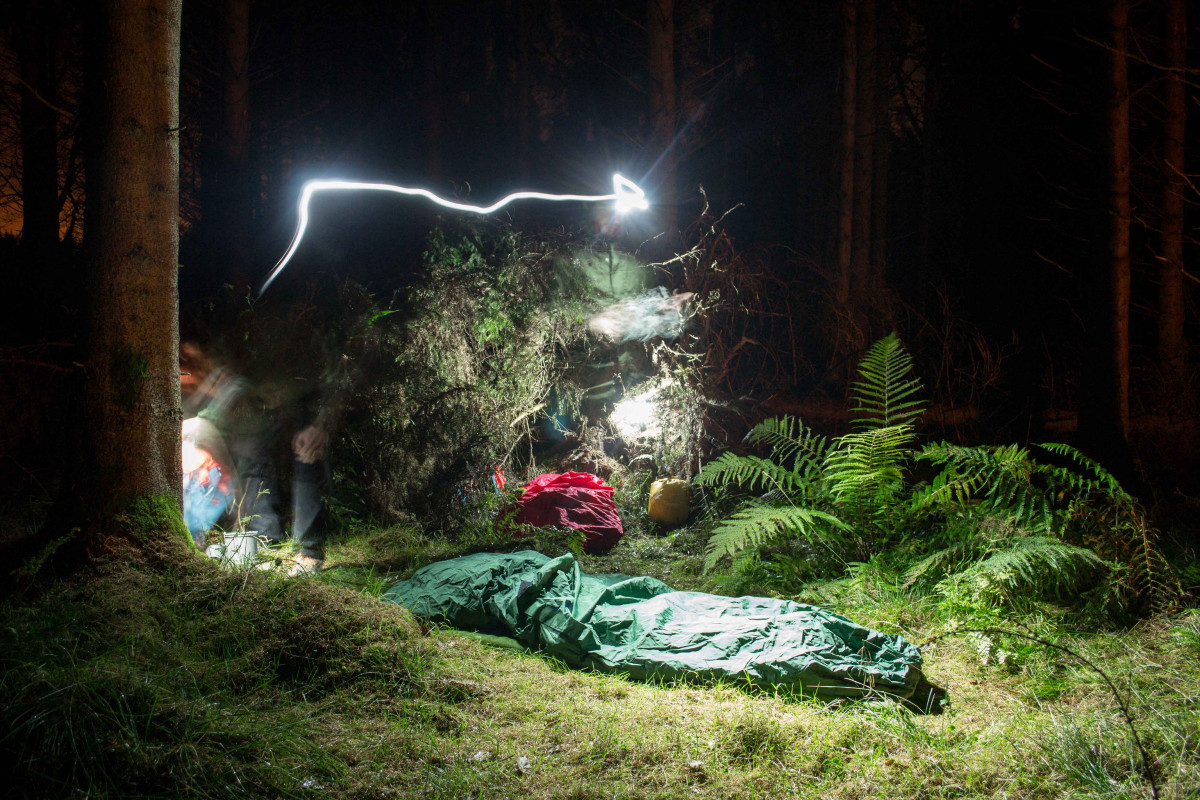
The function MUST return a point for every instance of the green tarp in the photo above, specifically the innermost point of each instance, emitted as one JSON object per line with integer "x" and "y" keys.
{"x": 641, "y": 627}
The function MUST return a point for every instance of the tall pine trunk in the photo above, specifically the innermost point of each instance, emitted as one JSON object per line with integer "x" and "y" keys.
{"x": 226, "y": 180}
{"x": 1104, "y": 404}
{"x": 435, "y": 90}
{"x": 1172, "y": 347}
{"x": 864, "y": 157}
{"x": 660, "y": 62}
{"x": 132, "y": 411}
{"x": 844, "y": 242}
{"x": 39, "y": 130}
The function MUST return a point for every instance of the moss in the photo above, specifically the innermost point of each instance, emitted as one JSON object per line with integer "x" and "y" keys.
{"x": 128, "y": 370}
{"x": 147, "y": 517}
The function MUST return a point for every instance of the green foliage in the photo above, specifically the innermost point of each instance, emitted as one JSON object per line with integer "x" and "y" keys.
{"x": 150, "y": 516}
{"x": 464, "y": 373}
{"x": 755, "y": 524}
{"x": 996, "y": 525}
{"x": 1081, "y": 506}
{"x": 855, "y": 483}
{"x": 886, "y": 394}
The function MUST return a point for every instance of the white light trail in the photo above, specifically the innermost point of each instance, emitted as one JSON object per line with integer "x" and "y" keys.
{"x": 626, "y": 194}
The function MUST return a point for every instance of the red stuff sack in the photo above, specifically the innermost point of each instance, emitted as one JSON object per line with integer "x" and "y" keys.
{"x": 576, "y": 500}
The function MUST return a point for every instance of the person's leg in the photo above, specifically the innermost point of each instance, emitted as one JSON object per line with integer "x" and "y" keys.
{"x": 259, "y": 507}
{"x": 310, "y": 482}
{"x": 258, "y": 500}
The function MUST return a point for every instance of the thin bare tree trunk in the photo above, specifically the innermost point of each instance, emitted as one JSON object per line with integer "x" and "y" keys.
{"x": 1172, "y": 347}
{"x": 660, "y": 32}
{"x": 435, "y": 89}
{"x": 525, "y": 126}
{"x": 1104, "y": 404}
{"x": 876, "y": 278}
{"x": 1119, "y": 211}
{"x": 132, "y": 409}
{"x": 846, "y": 152}
{"x": 39, "y": 130}
{"x": 864, "y": 158}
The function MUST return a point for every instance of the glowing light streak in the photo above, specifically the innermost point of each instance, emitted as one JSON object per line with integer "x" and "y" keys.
{"x": 626, "y": 194}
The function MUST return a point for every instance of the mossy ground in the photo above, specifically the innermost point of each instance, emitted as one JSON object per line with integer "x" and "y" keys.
{"x": 163, "y": 675}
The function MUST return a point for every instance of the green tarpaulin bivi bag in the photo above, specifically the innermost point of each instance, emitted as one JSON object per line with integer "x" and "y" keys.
{"x": 641, "y": 627}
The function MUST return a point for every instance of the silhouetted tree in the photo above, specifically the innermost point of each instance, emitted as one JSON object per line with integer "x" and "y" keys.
{"x": 1172, "y": 346}
{"x": 132, "y": 408}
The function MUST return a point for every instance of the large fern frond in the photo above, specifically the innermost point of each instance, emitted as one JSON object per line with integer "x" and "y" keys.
{"x": 931, "y": 569}
{"x": 756, "y": 524}
{"x": 749, "y": 472}
{"x": 996, "y": 479}
{"x": 791, "y": 442}
{"x": 885, "y": 394}
{"x": 1030, "y": 564}
{"x": 1094, "y": 477}
{"x": 867, "y": 467}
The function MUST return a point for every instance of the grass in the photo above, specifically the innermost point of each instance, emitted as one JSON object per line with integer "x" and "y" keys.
{"x": 160, "y": 675}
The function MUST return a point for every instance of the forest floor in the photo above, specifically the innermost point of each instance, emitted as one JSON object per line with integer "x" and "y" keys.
{"x": 159, "y": 674}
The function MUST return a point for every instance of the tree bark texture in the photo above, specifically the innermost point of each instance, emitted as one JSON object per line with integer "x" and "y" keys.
{"x": 660, "y": 58}
{"x": 39, "y": 129}
{"x": 1104, "y": 404}
{"x": 1172, "y": 347}
{"x": 864, "y": 159}
{"x": 435, "y": 91}
{"x": 846, "y": 152}
{"x": 880, "y": 162}
{"x": 132, "y": 407}
{"x": 227, "y": 202}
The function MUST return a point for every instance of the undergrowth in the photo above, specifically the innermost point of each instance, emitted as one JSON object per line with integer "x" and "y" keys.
{"x": 164, "y": 676}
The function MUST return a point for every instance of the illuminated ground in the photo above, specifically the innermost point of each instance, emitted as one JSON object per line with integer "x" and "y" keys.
{"x": 169, "y": 677}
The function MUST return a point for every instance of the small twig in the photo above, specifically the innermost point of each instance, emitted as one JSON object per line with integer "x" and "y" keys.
{"x": 1147, "y": 770}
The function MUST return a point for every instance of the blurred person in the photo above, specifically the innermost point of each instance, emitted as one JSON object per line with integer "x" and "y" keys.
{"x": 285, "y": 401}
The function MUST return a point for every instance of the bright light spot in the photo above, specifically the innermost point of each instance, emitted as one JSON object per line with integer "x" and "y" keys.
{"x": 627, "y": 196}
{"x": 636, "y": 416}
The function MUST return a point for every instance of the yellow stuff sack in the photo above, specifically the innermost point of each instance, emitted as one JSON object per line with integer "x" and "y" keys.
{"x": 669, "y": 502}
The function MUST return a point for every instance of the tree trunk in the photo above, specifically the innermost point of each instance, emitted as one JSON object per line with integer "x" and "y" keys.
{"x": 1104, "y": 406}
{"x": 845, "y": 186}
{"x": 880, "y": 152}
{"x": 660, "y": 63}
{"x": 435, "y": 89}
{"x": 39, "y": 130}
{"x": 864, "y": 159}
{"x": 525, "y": 120}
{"x": 1172, "y": 347}
{"x": 131, "y": 392}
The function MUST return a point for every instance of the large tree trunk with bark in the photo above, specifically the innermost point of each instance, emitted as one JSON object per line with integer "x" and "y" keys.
{"x": 660, "y": 32}
{"x": 131, "y": 443}
{"x": 1172, "y": 347}
{"x": 1104, "y": 404}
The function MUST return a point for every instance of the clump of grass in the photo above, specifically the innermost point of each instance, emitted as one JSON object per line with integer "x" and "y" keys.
{"x": 158, "y": 675}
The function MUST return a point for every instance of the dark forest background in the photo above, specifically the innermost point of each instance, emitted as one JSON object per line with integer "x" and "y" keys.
{"x": 1007, "y": 184}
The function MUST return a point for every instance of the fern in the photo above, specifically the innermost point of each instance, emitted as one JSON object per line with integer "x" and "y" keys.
{"x": 867, "y": 468}
{"x": 998, "y": 480}
{"x": 885, "y": 394}
{"x": 755, "y": 525}
{"x": 749, "y": 472}
{"x": 1033, "y": 565}
{"x": 791, "y": 441}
